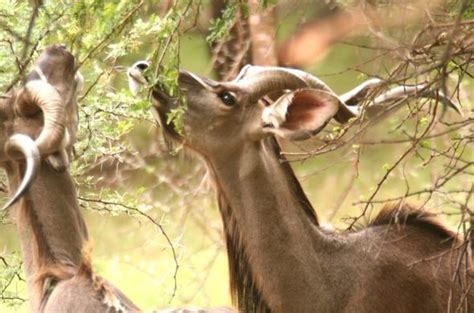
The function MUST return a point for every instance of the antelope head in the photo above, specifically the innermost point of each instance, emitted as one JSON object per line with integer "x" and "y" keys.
{"x": 222, "y": 115}
{"x": 44, "y": 108}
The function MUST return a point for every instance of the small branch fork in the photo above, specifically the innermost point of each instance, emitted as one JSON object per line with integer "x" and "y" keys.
{"x": 5, "y": 295}
{"x": 136, "y": 210}
{"x": 117, "y": 29}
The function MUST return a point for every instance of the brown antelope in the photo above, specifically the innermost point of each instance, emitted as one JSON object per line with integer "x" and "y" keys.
{"x": 280, "y": 259}
{"x": 51, "y": 227}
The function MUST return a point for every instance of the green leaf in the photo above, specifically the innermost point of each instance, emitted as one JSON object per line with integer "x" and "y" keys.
{"x": 175, "y": 117}
{"x": 423, "y": 121}
{"x": 425, "y": 144}
{"x": 219, "y": 28}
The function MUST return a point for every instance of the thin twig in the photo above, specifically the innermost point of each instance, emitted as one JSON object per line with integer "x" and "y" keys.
{"x": 152, "y": 220}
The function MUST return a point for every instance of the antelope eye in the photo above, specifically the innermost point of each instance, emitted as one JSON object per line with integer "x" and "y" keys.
{"x": 227, "y": 99}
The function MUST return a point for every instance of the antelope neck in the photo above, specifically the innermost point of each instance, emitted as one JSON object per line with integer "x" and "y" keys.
{"x": 44, "y": 242}
{"x": 271, "y": 223}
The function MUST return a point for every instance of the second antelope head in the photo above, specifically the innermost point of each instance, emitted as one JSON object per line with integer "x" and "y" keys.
{"x": 44, "y": 108}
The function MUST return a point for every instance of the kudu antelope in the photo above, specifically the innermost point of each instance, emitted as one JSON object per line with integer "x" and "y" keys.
{"x": 280, "y": 259}
{"x": 51, "y": 227}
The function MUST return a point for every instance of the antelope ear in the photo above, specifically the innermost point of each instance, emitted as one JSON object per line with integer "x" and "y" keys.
{"x": 300, "y": 114}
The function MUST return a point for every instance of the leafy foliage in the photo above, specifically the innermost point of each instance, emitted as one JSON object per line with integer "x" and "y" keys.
{"x": 469, "y": 12}
{"x": 219, "y": 27}
{"x": 132, "y": 189}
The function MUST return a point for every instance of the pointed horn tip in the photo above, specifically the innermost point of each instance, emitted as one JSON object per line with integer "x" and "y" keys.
{"x": 454, "y": 106}
{"x": 242, "y": 72}
{"x": 447, "y": 102}
{"x": 26, "y": 146}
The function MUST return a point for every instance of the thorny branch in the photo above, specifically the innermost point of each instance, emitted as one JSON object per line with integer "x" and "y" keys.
{"x": 8, "y": 281}
{"x": 441, "y": 56}
{"x": 29, "y": 49}
{"x": 136, "y": 210}
{"x": 441, "y": 52}
{"x": 115, "y": 30}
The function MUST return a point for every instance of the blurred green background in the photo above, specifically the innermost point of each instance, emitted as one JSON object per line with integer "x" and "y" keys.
{"x": 125, "y": 160}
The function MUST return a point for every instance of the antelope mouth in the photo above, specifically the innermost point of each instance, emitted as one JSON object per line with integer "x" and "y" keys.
{"x": 162, "y": 106}
{"x": 162, "y": 103}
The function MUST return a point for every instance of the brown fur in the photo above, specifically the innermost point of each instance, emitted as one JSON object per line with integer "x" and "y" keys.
{"x": 47, "y": 268}
{"x": 246, "y": 284}
{"x": 407, "y": 215}
{"x": 244, "y": 291}
{"x": 295, "y": 184}
{"x": 106, "y": 293}
{"x": 85, "y": 267}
